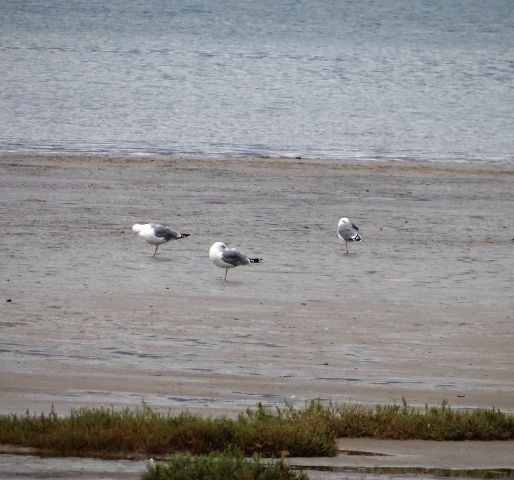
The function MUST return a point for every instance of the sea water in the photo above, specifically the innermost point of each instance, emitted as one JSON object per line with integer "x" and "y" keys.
{"x": 397, "y": 79}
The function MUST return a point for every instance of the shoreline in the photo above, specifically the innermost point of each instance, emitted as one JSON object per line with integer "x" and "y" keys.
{"x": 283, "y": 160}
{"x": 254, "y": 156}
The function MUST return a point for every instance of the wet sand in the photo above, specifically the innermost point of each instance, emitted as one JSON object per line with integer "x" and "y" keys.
{"x": 421, "y": 309}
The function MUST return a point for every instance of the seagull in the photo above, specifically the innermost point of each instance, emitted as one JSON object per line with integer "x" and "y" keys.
{"x": 156, "y": 234}
{"x": 348, "y": 231}
{"x": 226, "y": 258}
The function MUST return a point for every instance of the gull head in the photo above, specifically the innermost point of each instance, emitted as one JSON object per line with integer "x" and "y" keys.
{"x": 216, "y": 249}
{"x": 343, "y": 220}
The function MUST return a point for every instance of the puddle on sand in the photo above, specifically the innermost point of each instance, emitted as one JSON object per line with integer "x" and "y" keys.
{"x": 33, "y": 467}
{"x": 404, "y": 473}
{"x": 30, "y": 467}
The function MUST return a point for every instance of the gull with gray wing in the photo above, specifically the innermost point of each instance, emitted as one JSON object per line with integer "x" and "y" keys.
{"x": 348, "y": 231}
{"x": 226, "y": 258}
{"x": 156, "y": 234}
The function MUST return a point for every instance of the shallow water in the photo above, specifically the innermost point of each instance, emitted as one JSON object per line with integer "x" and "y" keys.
{"x": 31, "y": 467}
{"x": 338, "y": 79}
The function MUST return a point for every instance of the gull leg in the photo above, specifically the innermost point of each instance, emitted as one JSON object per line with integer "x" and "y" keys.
{"x": 346, "y": 245}
{"x": 226, "y": 271}
{"x": 156, "y": 247}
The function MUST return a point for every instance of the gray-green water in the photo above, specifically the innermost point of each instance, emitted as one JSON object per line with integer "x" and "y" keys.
{"x": 323, "y": 78}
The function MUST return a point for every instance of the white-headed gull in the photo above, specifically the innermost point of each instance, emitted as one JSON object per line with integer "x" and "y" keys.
{"x": 348, "y": 231}
{"x": 156, "y": 234}
{"x": 226, "y": 258}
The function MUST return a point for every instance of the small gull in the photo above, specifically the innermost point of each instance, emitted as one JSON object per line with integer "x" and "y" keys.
{"x": 348, "y": 231}
{"x": 156, "y": 234}
{"x": 226, "y": 258}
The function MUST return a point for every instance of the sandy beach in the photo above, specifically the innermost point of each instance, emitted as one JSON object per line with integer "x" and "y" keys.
{"x": 421, "y": 309}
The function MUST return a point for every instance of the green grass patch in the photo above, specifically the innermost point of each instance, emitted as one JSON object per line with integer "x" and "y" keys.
{"x": 287, "y": 431}
{"x": 429, "y": 423}
{"x": 106, "y": 432}
{"x": 222, "y": 466}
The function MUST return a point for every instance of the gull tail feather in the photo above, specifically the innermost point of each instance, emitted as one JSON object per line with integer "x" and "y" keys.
{"x": 255, "y": 260}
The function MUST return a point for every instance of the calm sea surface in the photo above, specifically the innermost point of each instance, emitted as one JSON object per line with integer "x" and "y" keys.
{"x": 424, "y": 80}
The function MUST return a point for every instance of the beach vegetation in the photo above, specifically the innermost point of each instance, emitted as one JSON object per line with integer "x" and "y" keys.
{"x": 221, "y": 466}
{"x": 309, "y": 431}
{"x": 106, "y": 432}
{"x": 404, "y": 422}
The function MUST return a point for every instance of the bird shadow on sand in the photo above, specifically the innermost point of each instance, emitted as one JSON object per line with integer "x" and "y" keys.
{"x": 349, "y": 254}
{"x": 228, "y": 282}
{"x": 159, "y": 258}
